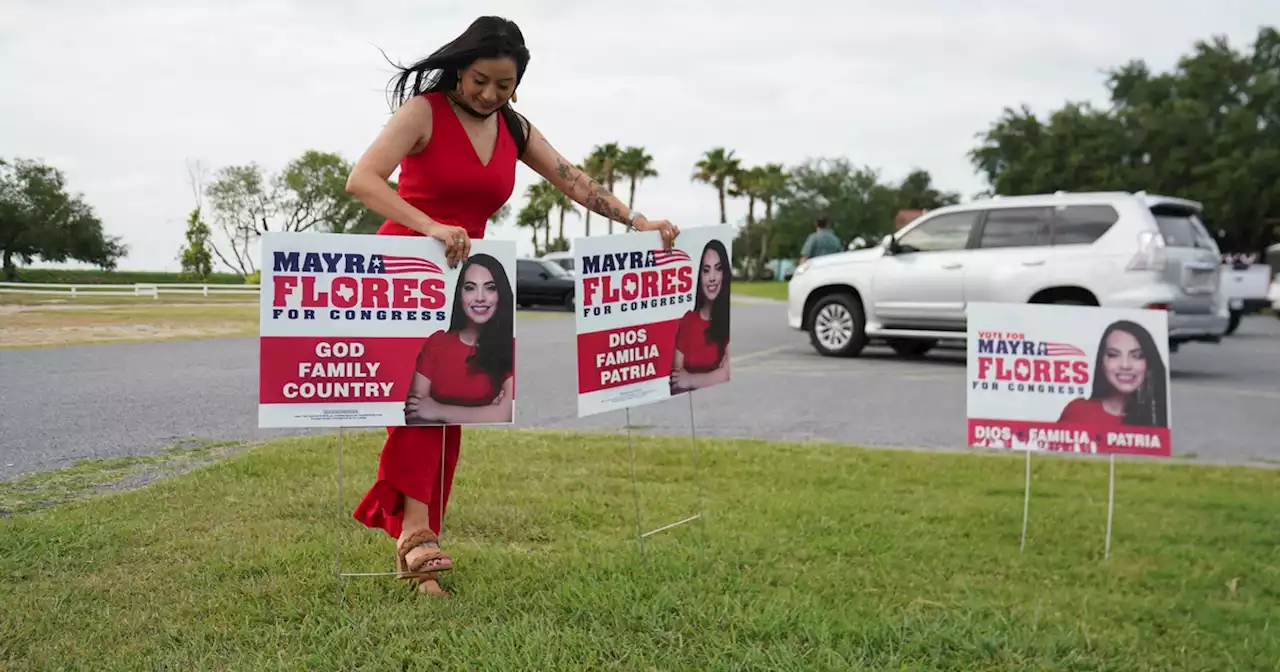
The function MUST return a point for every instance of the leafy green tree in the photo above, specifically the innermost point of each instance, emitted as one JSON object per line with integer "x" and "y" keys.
{"x": 1208, "y": 130}
{"x": 40, "y": 220}
{"x": 195, "y": 257}
{"x": 309, "y": 194}
{"x": 853, "y": 198}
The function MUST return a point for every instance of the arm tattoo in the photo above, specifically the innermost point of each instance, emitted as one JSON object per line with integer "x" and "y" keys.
{"x": 597, "y": 200}
{"x": 597, "y": 197}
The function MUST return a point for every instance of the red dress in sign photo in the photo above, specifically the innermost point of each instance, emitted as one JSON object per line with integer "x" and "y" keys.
{"x": 447, "y": 182}
{"x": 691, "y": 340}
{"x": 1090, "y": 413}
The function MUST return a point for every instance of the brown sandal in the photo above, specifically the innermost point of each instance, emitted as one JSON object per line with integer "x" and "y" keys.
{"x": 424, "y": 546}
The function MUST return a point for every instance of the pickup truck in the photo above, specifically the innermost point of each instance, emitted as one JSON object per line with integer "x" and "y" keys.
{"x": 1247, "y": 287}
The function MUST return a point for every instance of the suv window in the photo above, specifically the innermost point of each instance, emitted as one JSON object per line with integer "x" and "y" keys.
{"x": 1015, "y": 227}
{"x": 939, "y": 234}
{"x": 1181, "y": 228}
{"x": 1082, "y": 224}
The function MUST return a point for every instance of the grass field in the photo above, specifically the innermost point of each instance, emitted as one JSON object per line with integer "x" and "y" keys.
{"x": 816, "y": 557}
{"x": 116, "y": 323}
{"x": 764, "y": 290}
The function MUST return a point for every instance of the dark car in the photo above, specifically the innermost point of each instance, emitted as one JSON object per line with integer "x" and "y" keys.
{"x": 543, "y": 283}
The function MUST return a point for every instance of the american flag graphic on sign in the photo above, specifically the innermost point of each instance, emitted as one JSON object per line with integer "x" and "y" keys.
{"x": 1062, "y": 350}
{"x": 663, "y": 257}
{"x": 393, "y": 264}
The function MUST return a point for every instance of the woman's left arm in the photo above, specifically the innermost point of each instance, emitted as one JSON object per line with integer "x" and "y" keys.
{"x": 499, "y": 412}
{"x": 572, "y": 182}
{"x": 720, "y": 374}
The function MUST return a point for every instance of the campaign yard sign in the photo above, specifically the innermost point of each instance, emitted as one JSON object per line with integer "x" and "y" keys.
{"x": 651, "y": 323}
{"x": 361, "y": 331}
{"x": 1068, "y": 378}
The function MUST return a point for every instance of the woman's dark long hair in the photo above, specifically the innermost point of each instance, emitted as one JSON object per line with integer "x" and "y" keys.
{"x": 494, "y": 353}
{"x": 486, "y": 37}
{"x": 718, "y": 331}
{"x": 1148, "y": 405}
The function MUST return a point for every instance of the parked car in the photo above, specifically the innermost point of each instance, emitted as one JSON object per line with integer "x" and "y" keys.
{"x": 543, "y": 283}
{"x": 1102, "y": 248}
{"x": 562, "y": 259}
{"x": 1246, "y": 287}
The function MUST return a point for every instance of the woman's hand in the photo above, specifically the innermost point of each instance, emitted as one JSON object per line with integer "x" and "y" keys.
{"x": 681, "y": 379}
{"x": 425, "y": 411}
{"x": 457, "y": 242}
{"x": 669, "y": 231}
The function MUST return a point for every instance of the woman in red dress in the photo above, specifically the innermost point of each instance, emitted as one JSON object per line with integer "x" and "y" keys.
{"x": 1128, "y": 382}
{"x": 702, "y": 338}
{"x": 456, "y": 140}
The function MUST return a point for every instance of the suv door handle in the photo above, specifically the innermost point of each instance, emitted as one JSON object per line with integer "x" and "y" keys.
{"x": 952, "y": 266}
{"x": 1034, "y": 263}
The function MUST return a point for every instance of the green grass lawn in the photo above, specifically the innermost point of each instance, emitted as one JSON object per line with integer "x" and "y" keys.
{"x": 764, "y": 290}
{"x": 816, "y": 557}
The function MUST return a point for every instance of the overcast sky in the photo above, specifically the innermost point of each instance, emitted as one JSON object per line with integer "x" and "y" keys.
{"x": 121, "y": 95}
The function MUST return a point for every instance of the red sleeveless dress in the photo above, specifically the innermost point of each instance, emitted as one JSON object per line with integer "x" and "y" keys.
{"x": 448, "y": 183}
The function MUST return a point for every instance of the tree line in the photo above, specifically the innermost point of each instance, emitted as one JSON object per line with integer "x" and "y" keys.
{"x": 1208, "y": 130}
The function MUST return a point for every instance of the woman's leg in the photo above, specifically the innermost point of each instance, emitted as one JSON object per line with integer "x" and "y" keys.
{"x": 411, "y": 493}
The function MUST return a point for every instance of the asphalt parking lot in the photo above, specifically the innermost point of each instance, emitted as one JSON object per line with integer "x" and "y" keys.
{"x": 60, "y": 405}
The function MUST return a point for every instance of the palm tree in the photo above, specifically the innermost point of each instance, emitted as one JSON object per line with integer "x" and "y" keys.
{"x": 592, "y": 167}
{"x": 716, "y": 168}
{"x": 608, "y": 155}
{"x": 635, "y": 164}
{"x": 564, "y": 204}
{"x": 746, "y": 182}
{"x": 532, "y": 216}
{"x": 772, "y": 183}
{"x": 542, "y": 197}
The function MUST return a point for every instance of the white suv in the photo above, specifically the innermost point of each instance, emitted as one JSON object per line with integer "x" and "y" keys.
{"x": 1098, "y": 249}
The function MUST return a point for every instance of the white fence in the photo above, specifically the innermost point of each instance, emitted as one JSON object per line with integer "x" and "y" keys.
{"x": 153, "y": 290}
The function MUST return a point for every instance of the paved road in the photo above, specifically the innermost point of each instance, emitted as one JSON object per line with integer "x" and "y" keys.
{"x": 61, "y": 405}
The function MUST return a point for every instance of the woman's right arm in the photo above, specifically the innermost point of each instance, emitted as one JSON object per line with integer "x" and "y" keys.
{"x": 408, "y": 131}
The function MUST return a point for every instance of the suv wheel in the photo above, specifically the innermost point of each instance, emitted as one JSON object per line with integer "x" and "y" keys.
{"x": 568, "y": 301}
{"x": 838, "y": 327}
{"x": 906, "y": 347}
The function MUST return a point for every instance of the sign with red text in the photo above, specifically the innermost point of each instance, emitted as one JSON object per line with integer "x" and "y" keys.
{"x": 652, "y": 323}
{"x": 379, "y": 331}
{"x": 1068, "y": 378}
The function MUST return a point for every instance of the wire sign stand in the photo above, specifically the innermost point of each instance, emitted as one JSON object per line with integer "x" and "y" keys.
{"x": 342, "y": 515}
{"x": 699, "y": 515}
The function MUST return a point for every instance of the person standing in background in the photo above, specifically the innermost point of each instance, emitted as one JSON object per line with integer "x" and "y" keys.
{"x": 822, "y": 241}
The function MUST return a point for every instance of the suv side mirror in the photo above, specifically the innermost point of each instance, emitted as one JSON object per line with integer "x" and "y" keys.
{"x": 889, "y": 244}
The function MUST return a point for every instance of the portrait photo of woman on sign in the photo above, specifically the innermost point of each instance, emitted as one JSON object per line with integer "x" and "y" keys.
{"x": 1130, "y": 382}
{"x": 702, "y": 339}
{"x": 466, "y": 373}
